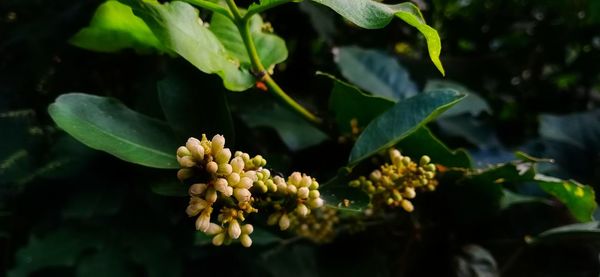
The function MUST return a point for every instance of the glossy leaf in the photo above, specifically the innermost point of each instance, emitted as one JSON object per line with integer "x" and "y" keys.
{"x": 179, "y": 28}
{"x": 375, "y": 71}
{"x": 371, "y": 14}
{"x": 114, "y": 27}
{"x": 348, "y": 102}
{"x": 106, "y": 124}
{"x": 473, "y": 104}
{"x": 590, "y": 231}
{"x": 423, "y": 142}
{"x": 579, "y": 199}
{"x": 337, "y": 194}
{"x": 401, "y": 120}
{"x": 271, "y": 48}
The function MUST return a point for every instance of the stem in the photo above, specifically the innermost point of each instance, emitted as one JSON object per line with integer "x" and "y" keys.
{"x": 265, "y": 7}
{"x": 242, "y": 23}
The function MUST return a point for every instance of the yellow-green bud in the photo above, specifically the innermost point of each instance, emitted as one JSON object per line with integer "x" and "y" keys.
{"x": 211, "y": 195}
{"x": 224, "y": 169}
{"x": 237, "y": 164}
{"x": 212, "y": 167}
{"x": 241, "y": 194}
{"x": 306, "y": 181}
{"x": 314, "y": 194}
{"x": 259, "y": 175}
{"x": 266, "y": 173}
{"x": 316, "y": 203}
{"x": 258, "y": 161}
{"x": 280, "y": 183}
{"x": 291, "y": 189}
{"x": 246, "y": 240}
{"x": 284, "y": 222}
{"x": 390, "y": 201}
{"x": 303, "y": 193}
{"x": 424, "y": 182}
{"x": 429, "y": 175}
{"x": 247, "y": 229}
{"x": 425, "y": 160}
{"x": 261, "y": 186}
{"x": 407, "y": 205}
{"x": 217, "y": 143}
{"x": 314, "y": 185}
{"x": 184, "y": 173}
{"x": 354, "y": 183}
{"x": 409, "y": 193}
{"x": 271, "y": 185}
{"x": 406, "y": 161}
{"x": 218, "y": 239}
{"x": 250, "y": 174}
{"x": 182, "y": 151}
{"x": 301, "y": 209}
{"x": 234, "y": 229}
{"x": 395, "y": 156}
{"x": 214, "y": 229}
{"x": 295, "y": 178}
{"x": 273, "y": 218}
{"x": 233, "y": 179}
{"x": 375, "y": 175}
{"x": 197, "y": 189}
{"x": 245, "y": 182}
{"x": 223, "y": 156}
{"x": 430, "y": 167}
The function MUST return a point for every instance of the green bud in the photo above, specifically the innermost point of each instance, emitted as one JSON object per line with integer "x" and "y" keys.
{"x": 314, "y": 185}
{"x": 266, "y": 173}
{"x": 224, "y": 169}
{"x": 284, "y": 222}
{"x": 430, "y": 167}
{"x": 271, "y": 185}
{"x": 273, "y": 218}
{"x": 429, "y": 175}
{"x": 409, "y": 193}
{"x": 425, "y": 160}
{"x": 182, "y": 151}
{"x": 407, "y": 205}
{"x": 314, "y": 194}
{"x": 316, "y": 203}
{"x": 354, "y": 183}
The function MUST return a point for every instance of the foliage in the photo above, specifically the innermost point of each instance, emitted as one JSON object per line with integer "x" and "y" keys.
{"x": 506, "y": 181}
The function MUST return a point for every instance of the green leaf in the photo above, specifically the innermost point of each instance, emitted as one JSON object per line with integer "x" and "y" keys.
{"x": 271, "y": 48}
{"x": 266, "y": 4}
{"x": 370, "y": 14}
{"x": 106, "y": 124}
{"x": 375, "y": 71}
{"x": 195, "y": 103}
{"x": 179, "y": 28}
{"x": 114, "y": 27}
{"x": 348, "y": 102}
{"x": 402, "y": 120}
{"x": 166, "y": 188}
{"x": 579, "y": 199}
{"x": 588, "y": 231}
{"x": 423, "y": 142}
{"x": 473, "y": 104}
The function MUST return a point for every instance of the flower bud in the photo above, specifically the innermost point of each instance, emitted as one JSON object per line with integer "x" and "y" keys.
{"x": 301, "y": 209}
{"x": 212, "y": 167}
{"x": 218, "y": 239}
{"x": 211, "y": 195}
{"x": 295, "y": 178}
{"x": 280, "y": 183}
{"x": 314, "y": 194}
{"x": 223, "y": 156}
{"x": 291, "y": 189}
{"x": 273, "y": 218}
{"x": 314, "y": 185}
{"x": 233, "y": 179}
{"x": 271, "y": 185}
{"x": 429, "y": 175}
{"x": 184, "y": 174}
{"x": 375, "y": 175}
{"x": 261, "y": 186}
{"x": 430, "y": 167}
{"x": 306, "y": 181}
{"x": 203, "y": 221}
{"x": 266, "y": 173}
{"x": 303, "y": 192}
{"x": 196, "y": 207}
{"x": 316, "y": 203}
{"x": 221, "y": 186}
{"x": 182, "y": 151}
{"x": 217, "y": 144}
{"x": 234, "y": 229}
{"x": 406, "y": 161}
{"x": 407, "y": 205}
{"x": 224, "y": 169}
{"x": 197, "y": 189}
{"x": 214, "y": 229}
{"x": 241, "y": 194}
{"x": 284, "y": 222}
{"x": 237, "y": 164}
{"x": 395, "y": 156}
{"x": 259, "y": 161}
{"x": 246, "y": 240}
{"x": 247, "y": 229}
{"x": 196, "y": 150}
{"x": 251, "y": 174}
{"x": 410, "y": 193}
{"x": 425, "y": 160}
{"x": 245, "y": 183}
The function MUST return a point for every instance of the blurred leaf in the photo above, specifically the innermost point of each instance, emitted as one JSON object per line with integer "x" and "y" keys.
{"x": 180, "y": 29}
{"x": 195, "y": 104}
{"x": 347, "y": 102}
{"x": 321, "y": 19}
{"x": 580, "y": 129}
{"x": 337, "y": 194}
{"x": 109, "y": 261}
{"x": 475, "y": 261}
{"x": 94, "y": 201}
{"x": 106, "y": 124}
{"x": 271, "y": 48}
{"x": 423, "y": 142}
{"x": 472, "y": 129}
{"x": 266, "y": 4}
{"x": 376, "y": 72}
{"x": 588, "y": 231}
{"x": 114, "y": 27}
{"x": 580, "y": 199}
{"x": 472, "y": 104}
{"x": 402, "y": 120}
{"x": 370, "y": 14}
{"x": 59, "y": 248}
{"x": 169, "y": 189}
{"x": 510, "y": 198}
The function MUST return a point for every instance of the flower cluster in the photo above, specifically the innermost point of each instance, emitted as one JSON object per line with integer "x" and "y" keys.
{"x": 397, "y": 183}
{"x": 237, "y": 187}
{"x": 318, "y": 226}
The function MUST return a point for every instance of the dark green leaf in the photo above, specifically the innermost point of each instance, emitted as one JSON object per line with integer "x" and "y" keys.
{"x": 195, "y": 104}
{"x": 371, "y": 14}
{"x": 472, "y": 104}
{"x": 114, "y": 27}
{"x": 423, "y": 142}
{"x": 169, "y": 189}
{"x": 589, "y": 230}
{"x": 376, "y": 72}
{"x": 337, "y": 194}
{"x": 106, "y": 124}
{"x": 401, "y": 120}
{"x": 179, "y": 28}
{"x": 347, "y": 102}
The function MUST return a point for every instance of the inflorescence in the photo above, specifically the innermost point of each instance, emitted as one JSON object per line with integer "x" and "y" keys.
{"x": 224, "y": 190}
{"x": 396, "y": 184}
